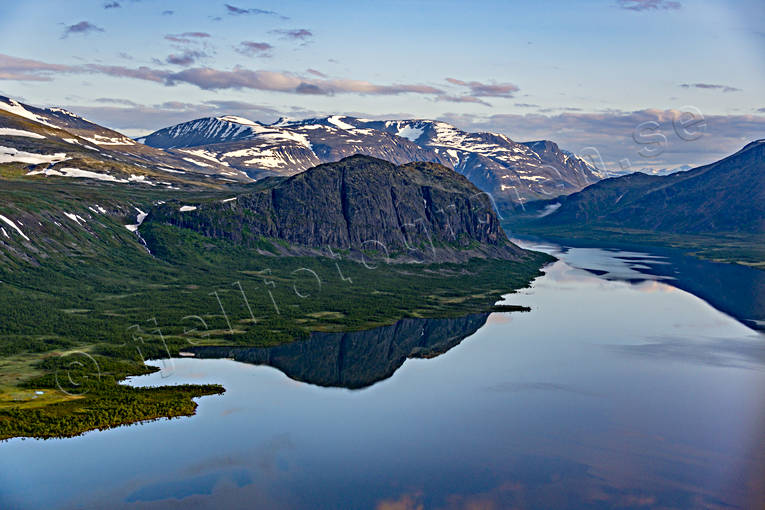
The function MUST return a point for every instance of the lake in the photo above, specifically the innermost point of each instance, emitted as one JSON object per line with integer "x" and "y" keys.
{"x": 618, "y": 389}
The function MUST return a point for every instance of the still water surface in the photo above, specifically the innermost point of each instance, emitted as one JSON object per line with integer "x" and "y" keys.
{"x": 618, "y": 390}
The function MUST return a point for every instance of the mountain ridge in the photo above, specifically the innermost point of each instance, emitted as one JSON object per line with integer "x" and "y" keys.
{"x": 512, "y": 172}
{"x": 724, "y": 196}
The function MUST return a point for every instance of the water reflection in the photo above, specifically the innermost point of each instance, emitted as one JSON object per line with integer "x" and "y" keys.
{"x": 356, "y": 359}
{"x": 607, "y": 395}
{"x": 731, "y": 288}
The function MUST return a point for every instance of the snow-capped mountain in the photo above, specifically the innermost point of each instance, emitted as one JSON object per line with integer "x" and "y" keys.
{"x": 513, "y": 172}
{"x": 662, "y": 171}
{"x": 284, "y": 147}
{"x": 53, "y": 142}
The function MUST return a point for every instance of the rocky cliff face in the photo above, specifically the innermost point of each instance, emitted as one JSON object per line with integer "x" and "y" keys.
{"x": 356, "y": 359}
{"x": 420, "y": 211}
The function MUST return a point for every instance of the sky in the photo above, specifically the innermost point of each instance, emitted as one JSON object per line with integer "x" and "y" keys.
{"x": 629, "y": 84}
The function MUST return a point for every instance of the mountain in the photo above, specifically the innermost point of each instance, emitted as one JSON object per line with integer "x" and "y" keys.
{"x": 724, "y": 197}
{"x": 512, "y": 172}
{"x": 417, "y": 211}
{"x": 54, "y": 142}
{"x": 217, "y": 151}
{"x": 283, "y": 148}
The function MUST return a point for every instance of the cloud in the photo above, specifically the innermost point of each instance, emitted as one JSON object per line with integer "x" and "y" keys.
{"x": 114, "y": 100}
{"x": 237, "y": 11}
{"x": 168, "y": 13}
{"x": 111, "y": 5}
{"x": 298, "y": 34}
{"x": 310, "y": 89}
{"x": 559, "y": 109}
{"x": 239, "y": 78}
{"x": 761, "y": 110}
{"x": 186, "y": 58}
{"x": 187, "y": 37}
{"x": 463, "y": 99}
{"x": 479, "y": 89}
{"x": 22, "y": 69}
{"x": 649, "y": 5}
{"x": 316, "y": 73}
{"x": 365, "y": 87}
{"x": 254, "y": 49}
{"x": 83, "y": 27}
{"x": 229, "y": 105}
{"x": 139, "y": 73}
{"x": 710, "y": 86}
{"x": 526, "y": 105}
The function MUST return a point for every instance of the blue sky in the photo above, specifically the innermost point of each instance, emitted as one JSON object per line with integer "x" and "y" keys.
{"x": 583, "y": 73}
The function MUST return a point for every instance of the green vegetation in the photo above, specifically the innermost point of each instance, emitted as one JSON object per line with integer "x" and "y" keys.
{"x": 86, "y": 396}
{"x": 84, "y": 314}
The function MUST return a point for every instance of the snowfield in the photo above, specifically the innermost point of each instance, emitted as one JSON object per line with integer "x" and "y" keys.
{"x": 19, "y": 132}
{"x": 11, "y": 155}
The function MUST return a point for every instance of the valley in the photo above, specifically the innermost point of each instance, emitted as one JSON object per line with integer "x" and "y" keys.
{"x": 98, "y": 277}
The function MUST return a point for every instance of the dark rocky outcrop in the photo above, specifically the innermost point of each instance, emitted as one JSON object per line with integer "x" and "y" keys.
{"x": 420, "y": 211}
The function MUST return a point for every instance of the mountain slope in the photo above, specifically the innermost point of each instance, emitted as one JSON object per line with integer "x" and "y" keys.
{"x": 418, "y": 211}
{"x": 55, "y": 142}
{"x": 726, "y": 196}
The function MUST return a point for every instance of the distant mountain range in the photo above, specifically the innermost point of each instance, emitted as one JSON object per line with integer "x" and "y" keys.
{"x": 512, "y": 172}
{"x": 724, "y": 197}
{"x": 218, "y": 150}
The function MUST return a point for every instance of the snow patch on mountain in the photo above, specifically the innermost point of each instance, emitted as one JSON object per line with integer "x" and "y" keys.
{"x": 13, "y": 226}
{"x": 20, "y": 132}
{"x": 11, "y": 155}
{"x": 410, "y": 133}
{"x": 77, "y": 173}
{"x": 13, "y": 106}
{"x": 108, "y": 140}
{"x": 336, "y": 120}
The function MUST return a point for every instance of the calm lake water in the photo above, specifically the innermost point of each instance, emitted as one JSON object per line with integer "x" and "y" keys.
{"x": 618, "y": 390}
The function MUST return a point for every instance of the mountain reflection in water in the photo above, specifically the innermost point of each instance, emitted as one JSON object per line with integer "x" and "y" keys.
{"x": 355, "y": 359}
